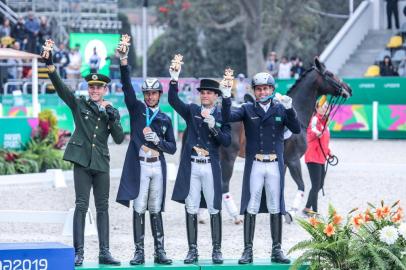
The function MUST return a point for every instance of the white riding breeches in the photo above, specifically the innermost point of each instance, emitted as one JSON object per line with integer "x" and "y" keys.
{"x": 201, "y": 179}
{"x": 264, "y": 174}
{"x": 151, "y": 188}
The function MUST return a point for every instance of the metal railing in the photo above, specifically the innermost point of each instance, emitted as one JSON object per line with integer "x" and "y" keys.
{"x": 349, "y": 37}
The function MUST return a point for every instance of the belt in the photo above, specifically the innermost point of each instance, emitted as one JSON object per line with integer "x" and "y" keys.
{"x": 266, "y": 160}
{"x": 147, "y": 159}
{"x": 266, "y": 157}
{"x": 201, "y": 151}
{"x": 200, "y": 160}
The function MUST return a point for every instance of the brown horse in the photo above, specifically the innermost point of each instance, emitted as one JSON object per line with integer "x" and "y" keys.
{"x": 312, "y": 84}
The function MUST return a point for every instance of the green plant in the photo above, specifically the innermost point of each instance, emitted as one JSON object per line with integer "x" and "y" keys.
{"x": 373, "y": 239}
{"x": 328, "y": 247}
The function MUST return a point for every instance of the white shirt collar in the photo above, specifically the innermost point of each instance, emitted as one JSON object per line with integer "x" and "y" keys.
{"x": 265, "y": 107}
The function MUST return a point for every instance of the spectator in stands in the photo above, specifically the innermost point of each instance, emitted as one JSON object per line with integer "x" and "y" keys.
{"x": 114, "y": 66}
{"x": 297, "y": 68}
{"x": 45, "y": 31}
{"x": 19, "y": 33}
{"x": 73, "y": 69}
{"x": 272, "y": 64}
{"x": 94, "y": 61}
{"x": 392, "y": 8}
{"x": 284, "y": 68}
{"x": 387, "y": 68}
{"x": 32, "y": 26}
{"x": 61, "y": 59}
{"x": 14, "y": 67}
{"x": 5, "y": 29}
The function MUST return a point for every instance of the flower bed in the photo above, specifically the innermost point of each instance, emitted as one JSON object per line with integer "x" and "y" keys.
{"x": 42, "y": 152}
{"x": 371, "y": 239}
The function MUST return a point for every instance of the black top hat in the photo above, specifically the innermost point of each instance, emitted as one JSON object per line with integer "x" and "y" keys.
{"x": 209, "y": 84}
{"x": 97, "y": 79}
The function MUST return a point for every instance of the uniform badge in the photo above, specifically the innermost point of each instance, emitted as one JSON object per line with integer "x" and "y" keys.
{"x": 278, "y": 118}
{"x": 94, "y": 77}
{"x": 218, "y": 124}
{"x": 164, "y": 129}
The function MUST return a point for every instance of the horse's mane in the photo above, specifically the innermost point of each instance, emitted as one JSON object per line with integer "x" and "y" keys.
{"x": 300, "y": 79}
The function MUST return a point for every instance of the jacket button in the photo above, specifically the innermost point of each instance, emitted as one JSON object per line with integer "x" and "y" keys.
{"x": 86, "y": 117}
{"x": 98, "y": 119}
{"x": 94, "y": 135}
{"x": 93, "y": 145}
{"x": 97, "y": 127}
{"x": 273, "y": 135}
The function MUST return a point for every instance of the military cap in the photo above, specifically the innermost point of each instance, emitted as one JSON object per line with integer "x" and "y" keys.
{"x": 97, "y": 79}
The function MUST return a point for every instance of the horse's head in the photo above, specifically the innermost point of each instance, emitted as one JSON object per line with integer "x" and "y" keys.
{"x": 329, "y": 83}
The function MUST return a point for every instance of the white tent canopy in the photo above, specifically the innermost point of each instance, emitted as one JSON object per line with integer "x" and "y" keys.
{"x": 6, "y": 53}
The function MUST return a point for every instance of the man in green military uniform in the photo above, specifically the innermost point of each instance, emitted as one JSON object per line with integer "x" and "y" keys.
{"x": 94, "y": 120}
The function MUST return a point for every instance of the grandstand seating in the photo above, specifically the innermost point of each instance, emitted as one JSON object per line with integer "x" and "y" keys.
{"x": 373, "y": 71}
{"x": 395, "y": 42}
{"x": 69, "y": 16}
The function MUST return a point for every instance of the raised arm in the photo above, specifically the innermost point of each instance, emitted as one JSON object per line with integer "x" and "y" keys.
{"x": 177, "y": 104}
{"x": 173, "y": 97}
{"x": 63, "y": 91}
{"x": 130, "y": 97}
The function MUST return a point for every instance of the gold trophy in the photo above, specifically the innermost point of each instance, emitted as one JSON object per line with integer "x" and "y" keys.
{"x": 124, "y": 44}
{"x": 176, "y": 62}
{"x": 228, "y": 78}
{"x": 47, "y": 47}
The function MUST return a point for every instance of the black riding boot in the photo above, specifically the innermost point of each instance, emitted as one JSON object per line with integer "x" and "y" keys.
{"x": 276, "y": 233}
{"x": 215, "y": 223}
{"x": 103, "y": 231}
{"x": 158, "y": 234}
{"x": 249, "y": 229}
{"x": 191, "y": 227}
{"x": 79, "y": 220}
{"x": 138, "y": 233}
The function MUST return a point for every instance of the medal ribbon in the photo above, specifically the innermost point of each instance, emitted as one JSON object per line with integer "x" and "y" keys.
{"x": 149, "y": 119}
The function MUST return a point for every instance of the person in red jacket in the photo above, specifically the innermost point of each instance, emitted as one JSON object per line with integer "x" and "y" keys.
{"x": 318, "y": 151}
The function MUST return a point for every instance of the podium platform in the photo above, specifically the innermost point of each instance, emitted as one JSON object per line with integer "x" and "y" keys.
{"x": 39, "y": 256}
{"x": 258, "y": 264}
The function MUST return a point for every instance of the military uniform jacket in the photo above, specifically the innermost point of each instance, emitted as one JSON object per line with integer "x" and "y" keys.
{"x": 88, "y": 144}
{"x": 161, "y": 124}
{"x": 264, "y": 135}
{"x": 198, "y": 134}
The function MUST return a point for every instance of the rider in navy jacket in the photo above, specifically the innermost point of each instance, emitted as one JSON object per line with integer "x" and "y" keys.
{"x": 264, "y": 123}
{"x": 199, "y": 168}
{"x": 143, "y": 179}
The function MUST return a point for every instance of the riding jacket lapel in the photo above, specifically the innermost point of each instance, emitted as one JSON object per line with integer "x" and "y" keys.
{"x": 258, "y": 110}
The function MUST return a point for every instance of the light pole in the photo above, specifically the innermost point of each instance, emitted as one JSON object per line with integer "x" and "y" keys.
{"x": 144, "y": 39}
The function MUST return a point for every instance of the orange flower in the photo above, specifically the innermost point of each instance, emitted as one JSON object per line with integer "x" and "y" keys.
{"x": 329, "y": 230}
{"x": 314, "y": 222}
{"x": 368, "y": 216}
{"x": 379, "y": 213}
{"x": 386, "y": 211}
{"x": 358, "y": 220}
{"x": 337, "y": 219}
{"x": 400, "y": 210}
{"x": 397, "y": 217}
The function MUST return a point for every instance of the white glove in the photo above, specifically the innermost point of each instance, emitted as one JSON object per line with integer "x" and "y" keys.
{"x": 152, "y": 137}
{"x": 225, "y": 89}
{"x": 210, "y": 121}
{"x": 174, "y": 74}
{"x": 286, "y": 101}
